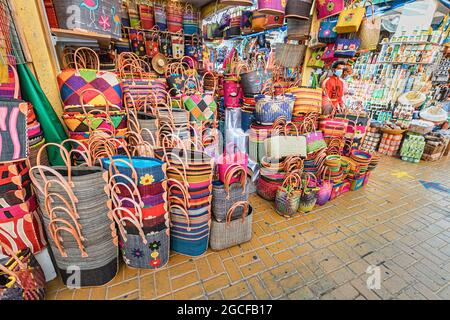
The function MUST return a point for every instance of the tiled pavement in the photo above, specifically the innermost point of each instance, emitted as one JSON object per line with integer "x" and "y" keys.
{"x": 393, "y": 222}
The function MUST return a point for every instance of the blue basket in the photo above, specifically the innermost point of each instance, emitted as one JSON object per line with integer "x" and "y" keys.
{"x": 149, "y": 170}
{"x": 192, "y": 248}
{"x": 269, "y": 108}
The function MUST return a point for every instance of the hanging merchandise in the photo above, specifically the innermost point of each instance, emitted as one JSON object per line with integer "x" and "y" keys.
{"x": 275, "y": 7}
{"x": 165, "y": 45}
{"x": 346, "y": 48}
{"x": 147, "y": 15}
{"x": 369, "y": 33}
{"x": 133, "y": 14}
{"x": 190, "y": 20}
{"x": 327, "y": 8}
{"x": 246, "y": 21}
{"x": 177, "y": 45}
{"x": 350, "y": 18}
{"x": 327, "y": 30}
{"x": 226, "y": 193}
{"x": 254, "y": 79}
{"x": 328, "y": 54}
{"x": 232, "y": 91}
{"x": 193, "y": 48}
{"x": 298, "y": 9}
{"x": 138, "y": 42}
{"x": 273, "y": 21}
{"x": 21, "y": 277}
{"x": 315, "y": 61}
{"x": 233, "y": 231}
{"x": 298, "y": 29}
{"x": 289, "y": 55}
{"x": 174, "y": 13}
{"x": 258, "y": 21}
{"x": 152, "y": 44}
{"x": 160, "y": 14}
{"x": 72, "y": 82}
{"x": 200, "y": 104}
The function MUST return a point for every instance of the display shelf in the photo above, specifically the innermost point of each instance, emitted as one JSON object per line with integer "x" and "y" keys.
{"x": 162, "y": 31}
{"x": 411, "y": 43}
{"x": 66, "y": 35}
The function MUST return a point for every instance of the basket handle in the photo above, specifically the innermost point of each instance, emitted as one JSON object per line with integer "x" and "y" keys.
{"x": 244, "y": 204}
{"x": 230, "y": 172}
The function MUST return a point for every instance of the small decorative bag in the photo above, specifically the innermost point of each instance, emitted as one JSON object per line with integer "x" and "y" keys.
{"x": 201, "y": 105}
{"x": 152, "y": 44}
{"x": 346, "y": 48}
{"x": 327, "y": 31}
{"x": 308, "y": 198}
{"x": 327, "y": 8}
{"x": 316, "y": 59}
{"x": 350, "y": 19}
{"x": 328, "y": 54}
{"x": 190, "y": 20}
{"x": 178, "y": 46}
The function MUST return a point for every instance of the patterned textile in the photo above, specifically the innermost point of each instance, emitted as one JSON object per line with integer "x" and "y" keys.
{"x": 202, "y": 107}
{"x": 13, "y": 130}
{"x": 7, "y": 89}
{"x": 72, "y": 84}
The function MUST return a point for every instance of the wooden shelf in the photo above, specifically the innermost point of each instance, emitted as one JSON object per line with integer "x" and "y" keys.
{"x": 64, "y": 35}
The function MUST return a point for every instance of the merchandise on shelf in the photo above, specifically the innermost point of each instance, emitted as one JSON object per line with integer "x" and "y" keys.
{"x": 412, "y": 147}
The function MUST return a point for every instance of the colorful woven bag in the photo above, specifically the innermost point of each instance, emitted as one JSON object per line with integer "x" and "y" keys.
{"x": 327, "y": 31}
{"x": 201, "y": 105}
{"x": 275, "y": 7}
{"x": 327, "y": 8}
{"x": 72, "y": 82}
{"x": 350, "y": 18}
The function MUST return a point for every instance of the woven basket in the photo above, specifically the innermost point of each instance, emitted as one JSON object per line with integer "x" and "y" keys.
{"x": 232, "y": 232}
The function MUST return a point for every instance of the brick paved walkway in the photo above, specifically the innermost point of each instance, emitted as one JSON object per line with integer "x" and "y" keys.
{"x": 393, "y": 222}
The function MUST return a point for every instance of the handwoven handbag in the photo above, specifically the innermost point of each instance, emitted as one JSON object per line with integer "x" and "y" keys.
{"x": 201, "y": 105}
{"x": 287, "y": 199}
{"x": 21, "y": 227}
{"x": 307, "y": 100}
{"x": 152, "y": 44}
{"x": 177, "y": 45}
{"x": 315, "y": 61}
{"x": 147, "y": 15}
{"x": 72, "y": 82}
{"x": 133, "y": 14}
{"x": 190, "y": 20}
{"x": 328, "y": 54}
{"x": 308, "y": 198}
{"x": 280, "y": 146}
{"x": 233, "y": 231}
{"x": 258, "y": 21}
{"x": 232, "y": 91}
{"x": 326, "y": 186}
{"x": 350, "y": 18}
{"x": 327, "y": 30}
{"x": 298, "y": 9}
{"x": 266, "y": 188}
{"x": 327, "y": 8}
{"x": 21, "y": 277}
{"x": 369, "y": 33}
{"x": 274, "y": 21}
{"x": 298, "y": 29}
{"x": 314, "y": 139}
{"x": 275, "y": 7}
{"x": 252, "y": 81}
{"x": 269, "y": 108}
{"x": 346, "y": 48}
{"x": 289, "y": 55}
{"x": 14, "y": 139}
{"x": 174, "y": 14}
{"x": 137, "y": 42}
{"x": 74, "y": 209}
{"x": 160, "y": 14}
{"x": 225, "y": 194}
